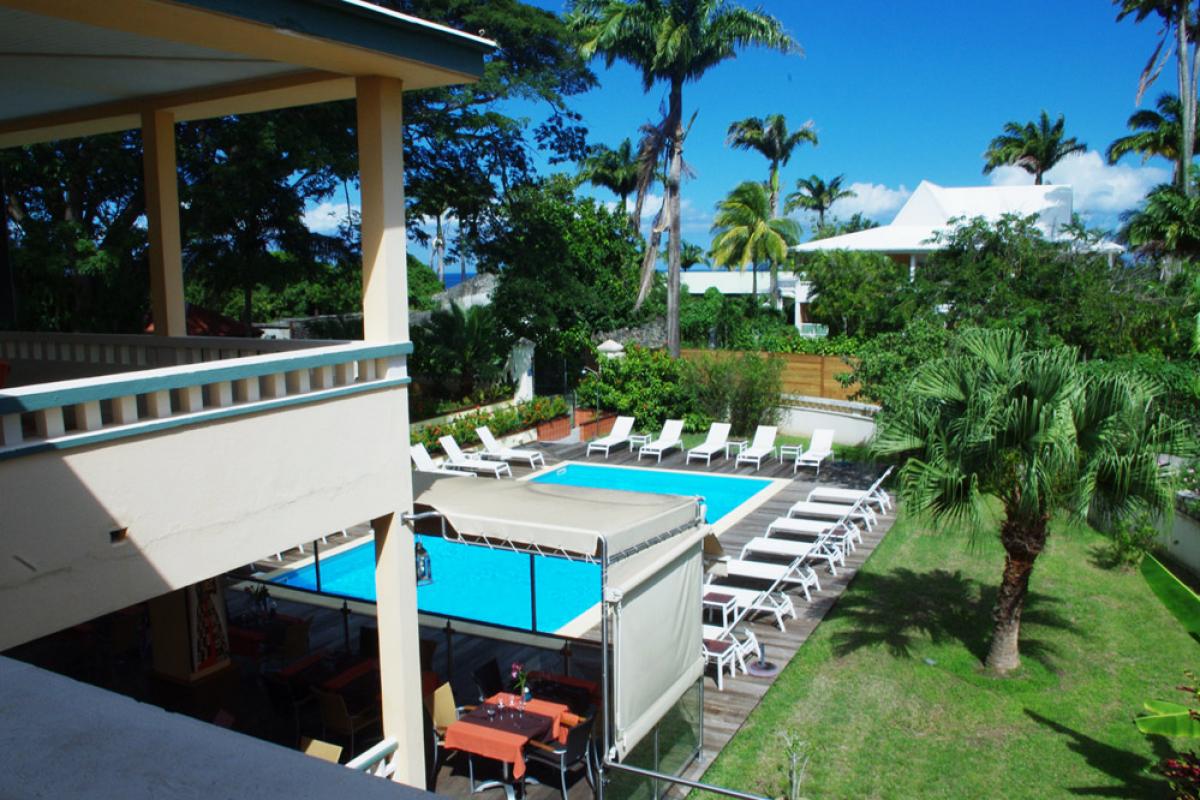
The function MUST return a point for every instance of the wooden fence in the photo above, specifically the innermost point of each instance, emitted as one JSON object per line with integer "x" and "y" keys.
{"x": 811, "y": 376}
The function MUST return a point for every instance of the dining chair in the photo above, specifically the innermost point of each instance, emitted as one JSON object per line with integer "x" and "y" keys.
{"x": 285, "y": 699}
{"x": 577, "y": 748}
{"x": 322, "y": 750}
{"x": 445, "y": 712}
{"x": 336, "y": 717}
{"x": 488, "y": 680}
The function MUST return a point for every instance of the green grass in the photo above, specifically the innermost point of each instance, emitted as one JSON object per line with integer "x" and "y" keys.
{"x": 892, "y": 700}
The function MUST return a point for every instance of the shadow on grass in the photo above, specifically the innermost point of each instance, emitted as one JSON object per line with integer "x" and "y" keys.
{"x": 896, "y": 608}
{"x": 1131, "y": 769}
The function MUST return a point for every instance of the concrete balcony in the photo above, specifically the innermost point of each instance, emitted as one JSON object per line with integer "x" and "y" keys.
{"x": 122, "y": 486}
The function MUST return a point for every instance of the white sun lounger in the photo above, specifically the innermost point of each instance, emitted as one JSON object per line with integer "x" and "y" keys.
{"x": 716, "y": 442}
{"x": 492, "y": 449}
{"x": 777, "y": 604}
{"x": 831, "y": 538}
{"x": 621, "y": 430}
{"x": 762, "y": 447}
{"x": 875, "y": 494}
{"x": 800, "y": 551}
{"x": 795, "y": 573}
{"x": 672, "y": 429}
{"x": 855, "y": 511}
{"x": 820, "y": 447}
{"x": 460, "y": 460}
{"x": 424, "y": 463}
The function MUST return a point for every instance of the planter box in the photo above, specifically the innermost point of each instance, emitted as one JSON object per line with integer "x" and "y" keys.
{"x": 594, "y": 429}
{"x": 560, "y": 427}
{"x": 553, "y": 429}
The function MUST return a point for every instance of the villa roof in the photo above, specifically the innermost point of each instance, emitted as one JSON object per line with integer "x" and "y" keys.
{"x": 89, "y": 68}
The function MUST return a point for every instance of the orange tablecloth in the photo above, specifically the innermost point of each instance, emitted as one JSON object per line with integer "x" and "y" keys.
{"x": 502, "y": 745}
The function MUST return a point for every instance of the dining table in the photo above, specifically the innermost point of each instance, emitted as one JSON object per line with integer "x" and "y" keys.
{"x": 501, "y": 727}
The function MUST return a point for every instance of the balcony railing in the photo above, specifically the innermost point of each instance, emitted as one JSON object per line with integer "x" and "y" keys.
{"x": 84, "y": 411}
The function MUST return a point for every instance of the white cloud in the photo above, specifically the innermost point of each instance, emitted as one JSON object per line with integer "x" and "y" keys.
{"x": 326, "y": 217}
{"x": 1099, "y": 189}
{"x": 872, "y": 200}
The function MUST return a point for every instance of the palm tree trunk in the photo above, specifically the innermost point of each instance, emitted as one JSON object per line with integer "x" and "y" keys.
{"x": 1023, "y": 541}
{"x": 1187, "y": 94}
{"x": 1037, "y": 179}
{"x": 675, "y": 110}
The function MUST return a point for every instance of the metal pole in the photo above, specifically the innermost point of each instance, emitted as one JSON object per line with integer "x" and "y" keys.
{"x": 317, "y": 562}
{"x": 604, "y": 705}
{"x": 449, "y": 650}
{"x": 532, "y": 593}
{"x": 707, "y": 787}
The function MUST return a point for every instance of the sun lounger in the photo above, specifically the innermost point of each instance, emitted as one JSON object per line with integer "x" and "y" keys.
{"x": 618, "y": 436}
{"x": 492, "y": 449}
{"x": 855, "y": 511}
{"x": 424, "y": 463}
{"x": 459, "y": 460}
{"x": 820, "y": 447}
{"x": 672, "y": 430}
{"x": 875, "y": 494}
{"x": 762, "y": 447}
{"x": 777, "y": 604}
{"x": 832, "y": 538}
{"x": 716, "y": 442}
{"x": 788, "y": 549}
{"x": 796, "y": 573}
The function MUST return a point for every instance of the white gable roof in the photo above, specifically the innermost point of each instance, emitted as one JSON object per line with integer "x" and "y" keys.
{"x": 930, "y": 208}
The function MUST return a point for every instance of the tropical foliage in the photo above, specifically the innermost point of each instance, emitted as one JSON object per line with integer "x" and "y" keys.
{"x": 994, "y": 419}
{"x": 1155, "y": 133}
{"x": 672, "y": 43}
{"x": 615, "y": 170}
{"x": 745, "y": 234}
{"x": 501, "y": 422}
{"x": 1033, "y": 146}
{"x": 771, "y": 139}
{"x": 459, "y": 350}
{"x": 816, "y": 194}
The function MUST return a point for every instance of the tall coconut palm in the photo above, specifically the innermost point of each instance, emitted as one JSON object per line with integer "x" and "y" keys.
{"x": 771, "y": 139}
{"x": 1034, "y": 147}
{"x": 814, "y": 194}
{"x": 1178, "y": 24}
{"x": 615, "y": 170}
{"x": 1156, "y": 133}
{"x": 1028, "y": 428}
{"x": 673, "y": 41}
{"x": 745, "y": 234}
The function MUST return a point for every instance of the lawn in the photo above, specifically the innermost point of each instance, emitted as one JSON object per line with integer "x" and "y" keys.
{"x": 890, "y": 697}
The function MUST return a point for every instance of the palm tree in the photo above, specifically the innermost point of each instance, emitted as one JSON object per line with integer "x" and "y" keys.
{"x": 1156, "y": 133}
{"x": 1177, "y": 20}
{"x": 615, "y": 170}
{"x": 690, "y": 254}
{"x": 745, "y": 234}
{"x": 1034, "y": 147}
{"x": 770, "y": 138}
{"x": 1030, "y": 429}
{"x": 814, "y": 194}
{"x": 674, "y": 42}
{"x": 1167, "y": 226}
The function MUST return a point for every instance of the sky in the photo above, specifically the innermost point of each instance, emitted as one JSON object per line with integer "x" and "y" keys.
{"x": 900, "y": 93}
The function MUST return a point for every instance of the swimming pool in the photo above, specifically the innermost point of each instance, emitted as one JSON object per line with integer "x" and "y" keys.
{"x": 470, "y": 582}
{"x": 721, "y": 493}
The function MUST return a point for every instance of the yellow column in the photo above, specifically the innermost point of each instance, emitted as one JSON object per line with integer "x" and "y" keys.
{"x": 381, "y": 174}
{"x": 399, "y": 664}
{"x": 162, "y": 216}
{"x": 385, "y": 319}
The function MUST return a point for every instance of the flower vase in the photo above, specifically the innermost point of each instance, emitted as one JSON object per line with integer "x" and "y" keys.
{"x": 527, "y": 695}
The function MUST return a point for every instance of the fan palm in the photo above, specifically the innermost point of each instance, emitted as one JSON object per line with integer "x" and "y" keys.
{"x": 746, "y": 235}
{"x": 1156, "y": 133}
{"x": 1034, "y": 147}
{"x": 1029, "y": 428}
{"x": 771, "y": 139}
{"x": 674, "y": 41}
{"x": 615, "y": 170}
{"x": 814, "y": 194}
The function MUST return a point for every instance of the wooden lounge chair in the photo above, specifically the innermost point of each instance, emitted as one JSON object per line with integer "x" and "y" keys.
{"x": 619, "y": 435}
{"x": 763, "y": 446}
{"x": 424, "y": 463}
{"x": 492, "y": 449}
{"x": 716, "y": 442}
{"x": 672, "y": 430}
{"x": 460, "y": 460}
{"x": 820, "y": 447}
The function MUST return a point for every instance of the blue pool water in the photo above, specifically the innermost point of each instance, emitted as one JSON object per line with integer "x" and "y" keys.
{"x": 470, "y": 582}
{"x": 721, "y": 493}
{"x": 493, "y": 586}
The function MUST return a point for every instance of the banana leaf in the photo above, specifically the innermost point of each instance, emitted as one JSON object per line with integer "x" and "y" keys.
{"x": 1168, "y": 719}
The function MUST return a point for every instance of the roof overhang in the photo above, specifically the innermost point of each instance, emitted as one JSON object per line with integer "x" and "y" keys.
{"x": 79, "y": 68}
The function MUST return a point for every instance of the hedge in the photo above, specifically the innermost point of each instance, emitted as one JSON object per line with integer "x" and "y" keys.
{"x": 501, "y": 422}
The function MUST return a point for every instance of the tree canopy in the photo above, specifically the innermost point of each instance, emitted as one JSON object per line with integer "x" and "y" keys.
{"x": 1033, "y": 146}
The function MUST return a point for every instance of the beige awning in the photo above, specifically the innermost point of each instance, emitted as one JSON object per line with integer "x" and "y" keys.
{"x": 572, "y": 519}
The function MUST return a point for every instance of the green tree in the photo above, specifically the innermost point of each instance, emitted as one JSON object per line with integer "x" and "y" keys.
{"x": 1179, "y": 35}
{"x": 771, "y": 139}
{"x": 815, "y": 194}
{"x": 746, "y": 235}
{"x": 1155, "y": 133}
{"x": 673, "y": 42}
{"x": 1034, "y": 147}
{"x": 837, "y": 227}
{"x": 459, "y": 350}
{"x": 856, "y": 293}
{"x": 1167, "y": 225}
{"x": 615, "y": 170}
{"x": 995, "y": 419}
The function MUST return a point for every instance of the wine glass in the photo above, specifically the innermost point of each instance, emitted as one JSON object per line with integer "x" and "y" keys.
{"x": 491, "y": 712}
{"x": 500, "y": 704}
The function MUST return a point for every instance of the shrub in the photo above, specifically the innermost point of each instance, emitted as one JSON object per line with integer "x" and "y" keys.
{"x": 1131, "y": 540}
{"x": 745, "y": 390}
{"x": 643, "y": 383}
{"x": 501, "y": 422}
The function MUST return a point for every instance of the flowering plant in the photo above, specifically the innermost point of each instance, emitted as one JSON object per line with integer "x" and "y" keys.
{"x": 519, "y": 676}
